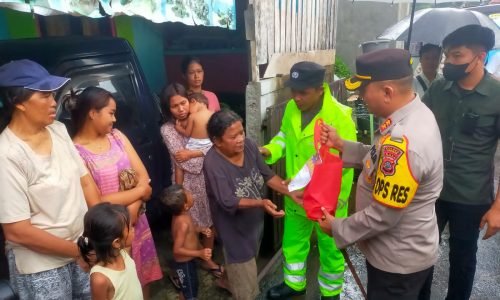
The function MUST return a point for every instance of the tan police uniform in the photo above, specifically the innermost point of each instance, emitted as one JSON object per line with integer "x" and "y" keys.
{"x": 395, "y": 224}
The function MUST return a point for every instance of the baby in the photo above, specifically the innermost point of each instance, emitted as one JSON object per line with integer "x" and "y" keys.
{"x": 195, "y": 129}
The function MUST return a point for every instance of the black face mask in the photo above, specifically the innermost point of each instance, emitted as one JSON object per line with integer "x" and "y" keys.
{"x": 454, "y": 72}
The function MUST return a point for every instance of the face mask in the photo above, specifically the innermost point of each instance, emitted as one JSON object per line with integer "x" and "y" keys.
{"x": 454, "y": 72}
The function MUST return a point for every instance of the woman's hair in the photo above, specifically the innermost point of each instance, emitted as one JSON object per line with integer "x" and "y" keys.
{"x": 174, "y": 199}
{"x": 10, "y": 96}
{"x": 174, "y": 89}
{"x": 103, "y": 223}
{"x": 220, "y": 121}
{"x": 79, "y": 104}
{"x": 187, "y": 61}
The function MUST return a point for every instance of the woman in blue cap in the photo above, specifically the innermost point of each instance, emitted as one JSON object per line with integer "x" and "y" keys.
{"x": 45, "y": 187}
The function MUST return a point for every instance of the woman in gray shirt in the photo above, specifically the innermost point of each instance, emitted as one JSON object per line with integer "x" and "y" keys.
{"x": 235, "y": 174}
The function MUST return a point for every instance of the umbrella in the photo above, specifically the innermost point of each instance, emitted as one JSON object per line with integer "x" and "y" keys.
{"x": 492, "y": 11}
{"x": 432, "y": 25}
{"x": 412, "y": 14}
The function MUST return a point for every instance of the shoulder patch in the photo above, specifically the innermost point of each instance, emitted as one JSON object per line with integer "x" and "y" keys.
{"x": 395, "y": 185}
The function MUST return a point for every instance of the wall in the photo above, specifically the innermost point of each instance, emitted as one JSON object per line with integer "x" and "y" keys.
{"x": 16, "y": 25}
{"x": 146, "y": 39}
{"x": 360, "y": 22}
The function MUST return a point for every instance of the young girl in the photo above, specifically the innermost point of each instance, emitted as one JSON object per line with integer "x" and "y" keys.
{"x": 107, "y": 152}
{"x": 107, "y": 232}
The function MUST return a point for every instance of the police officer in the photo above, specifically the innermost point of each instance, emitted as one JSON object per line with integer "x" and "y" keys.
{"x": 311, "y": 100}
{"x": 395, "y": 223}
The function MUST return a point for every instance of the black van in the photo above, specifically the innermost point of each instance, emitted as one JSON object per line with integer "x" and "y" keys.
{"x": 109, "y": 63}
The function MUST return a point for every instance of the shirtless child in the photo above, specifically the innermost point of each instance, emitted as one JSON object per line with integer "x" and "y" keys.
{"x": 187, "y": 246}
{"x": 195, "y": 129}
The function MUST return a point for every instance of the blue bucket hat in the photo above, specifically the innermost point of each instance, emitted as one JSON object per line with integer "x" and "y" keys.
{"x": 29, "y": 75}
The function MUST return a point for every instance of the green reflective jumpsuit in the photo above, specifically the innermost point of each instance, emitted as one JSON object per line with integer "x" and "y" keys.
{"x": 297, "y": 146}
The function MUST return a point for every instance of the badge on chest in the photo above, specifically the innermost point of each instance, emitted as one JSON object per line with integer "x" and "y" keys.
{"x": 395, "y": 185}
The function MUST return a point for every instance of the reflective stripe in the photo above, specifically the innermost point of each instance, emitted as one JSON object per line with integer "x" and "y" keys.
{"x": 329, "y": 287}
{"x": 280, "y": 143}
{"x": 295, "y": 266}
{"x": 295, "y": 278}
{"x": 280, "y": 134}
{"x": 330, "y": 276}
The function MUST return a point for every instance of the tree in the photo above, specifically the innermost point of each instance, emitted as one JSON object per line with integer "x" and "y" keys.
{"x": 225, "y": 18}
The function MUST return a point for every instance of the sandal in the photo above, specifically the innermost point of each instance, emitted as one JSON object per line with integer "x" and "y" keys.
{"x": 222, "y": 284}
{"x": 217, "y": 272}
{"x": 175, "y": 281}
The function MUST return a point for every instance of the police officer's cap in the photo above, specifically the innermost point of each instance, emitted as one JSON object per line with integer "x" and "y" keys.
{"x": 306, "y": 74}
{"x": 380, "y": 65}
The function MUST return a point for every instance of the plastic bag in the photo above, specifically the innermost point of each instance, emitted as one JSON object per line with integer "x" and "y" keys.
{"x": 324, "y": 188}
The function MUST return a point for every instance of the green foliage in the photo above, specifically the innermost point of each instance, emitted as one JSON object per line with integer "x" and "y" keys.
{"x": 341, "y": 69}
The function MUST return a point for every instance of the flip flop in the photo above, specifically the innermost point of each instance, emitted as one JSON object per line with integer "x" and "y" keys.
{"x": 175, "y": 281}
{"x": 217, "y": 272}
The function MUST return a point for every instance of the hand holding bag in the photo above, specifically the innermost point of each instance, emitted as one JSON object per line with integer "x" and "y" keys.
{"x": 324, "y": 188}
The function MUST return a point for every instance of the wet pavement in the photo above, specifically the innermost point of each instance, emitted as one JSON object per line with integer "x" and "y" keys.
{"x": 486, "y": 283}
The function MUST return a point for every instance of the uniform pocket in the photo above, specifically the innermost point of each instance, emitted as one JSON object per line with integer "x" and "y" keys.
{"x": 486, "y": 126}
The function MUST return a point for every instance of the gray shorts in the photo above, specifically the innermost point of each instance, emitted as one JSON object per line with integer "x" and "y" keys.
{"x": 64, "y": 283}
{"x": 242, "y": 279}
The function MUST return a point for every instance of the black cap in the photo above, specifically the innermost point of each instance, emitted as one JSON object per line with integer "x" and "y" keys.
{"x": 306, "y": 74}
{"x": 471, "y": 35}
{"x": 380, "y": 65}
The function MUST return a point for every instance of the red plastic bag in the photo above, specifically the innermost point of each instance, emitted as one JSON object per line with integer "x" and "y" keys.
{"x": 324, "y": 188}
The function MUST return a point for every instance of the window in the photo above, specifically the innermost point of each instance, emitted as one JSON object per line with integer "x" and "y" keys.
{"x": 119, "y": 80}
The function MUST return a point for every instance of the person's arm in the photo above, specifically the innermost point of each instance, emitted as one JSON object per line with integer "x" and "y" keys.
{"x": 278, "y": 184}
{"x": 38, "y": 240}
{"x": 175, "y": 143}
{"x": 427, "y": 97}
{"x": 142, "y": 192}
{"x": 186, "y": 154}
{"x": 275, "y": 150}
{"x": 90, "y": 190}
{"x": 15, "y": 213}
{"x": 352, "y": 152}
{"x": 267, "y": 205}
{"x": 179, "y": 175}
{"x": 189, "y": 127}
{"x": 133, "y": 210}
{"x": 101, "y": 287}
{"x": 217, "y": 185}
{"x": 347, "y": 131}
{"x": 492, "y": 218}
{"x": 377, "y": 217}
{"x": 181, "y": 231}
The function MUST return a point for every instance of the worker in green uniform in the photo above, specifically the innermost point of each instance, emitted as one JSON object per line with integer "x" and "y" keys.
{"x": 311, "y": 100}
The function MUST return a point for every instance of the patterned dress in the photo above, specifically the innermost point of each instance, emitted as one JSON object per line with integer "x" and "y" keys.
{"x": 194, "y": 180}
{"x": 105, "y": 168}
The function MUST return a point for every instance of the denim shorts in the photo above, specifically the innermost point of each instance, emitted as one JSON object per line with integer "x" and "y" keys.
{"x": 63, "y": 283}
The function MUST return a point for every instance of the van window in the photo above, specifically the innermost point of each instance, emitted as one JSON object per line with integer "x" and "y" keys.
{"x": 118, "y": 79}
